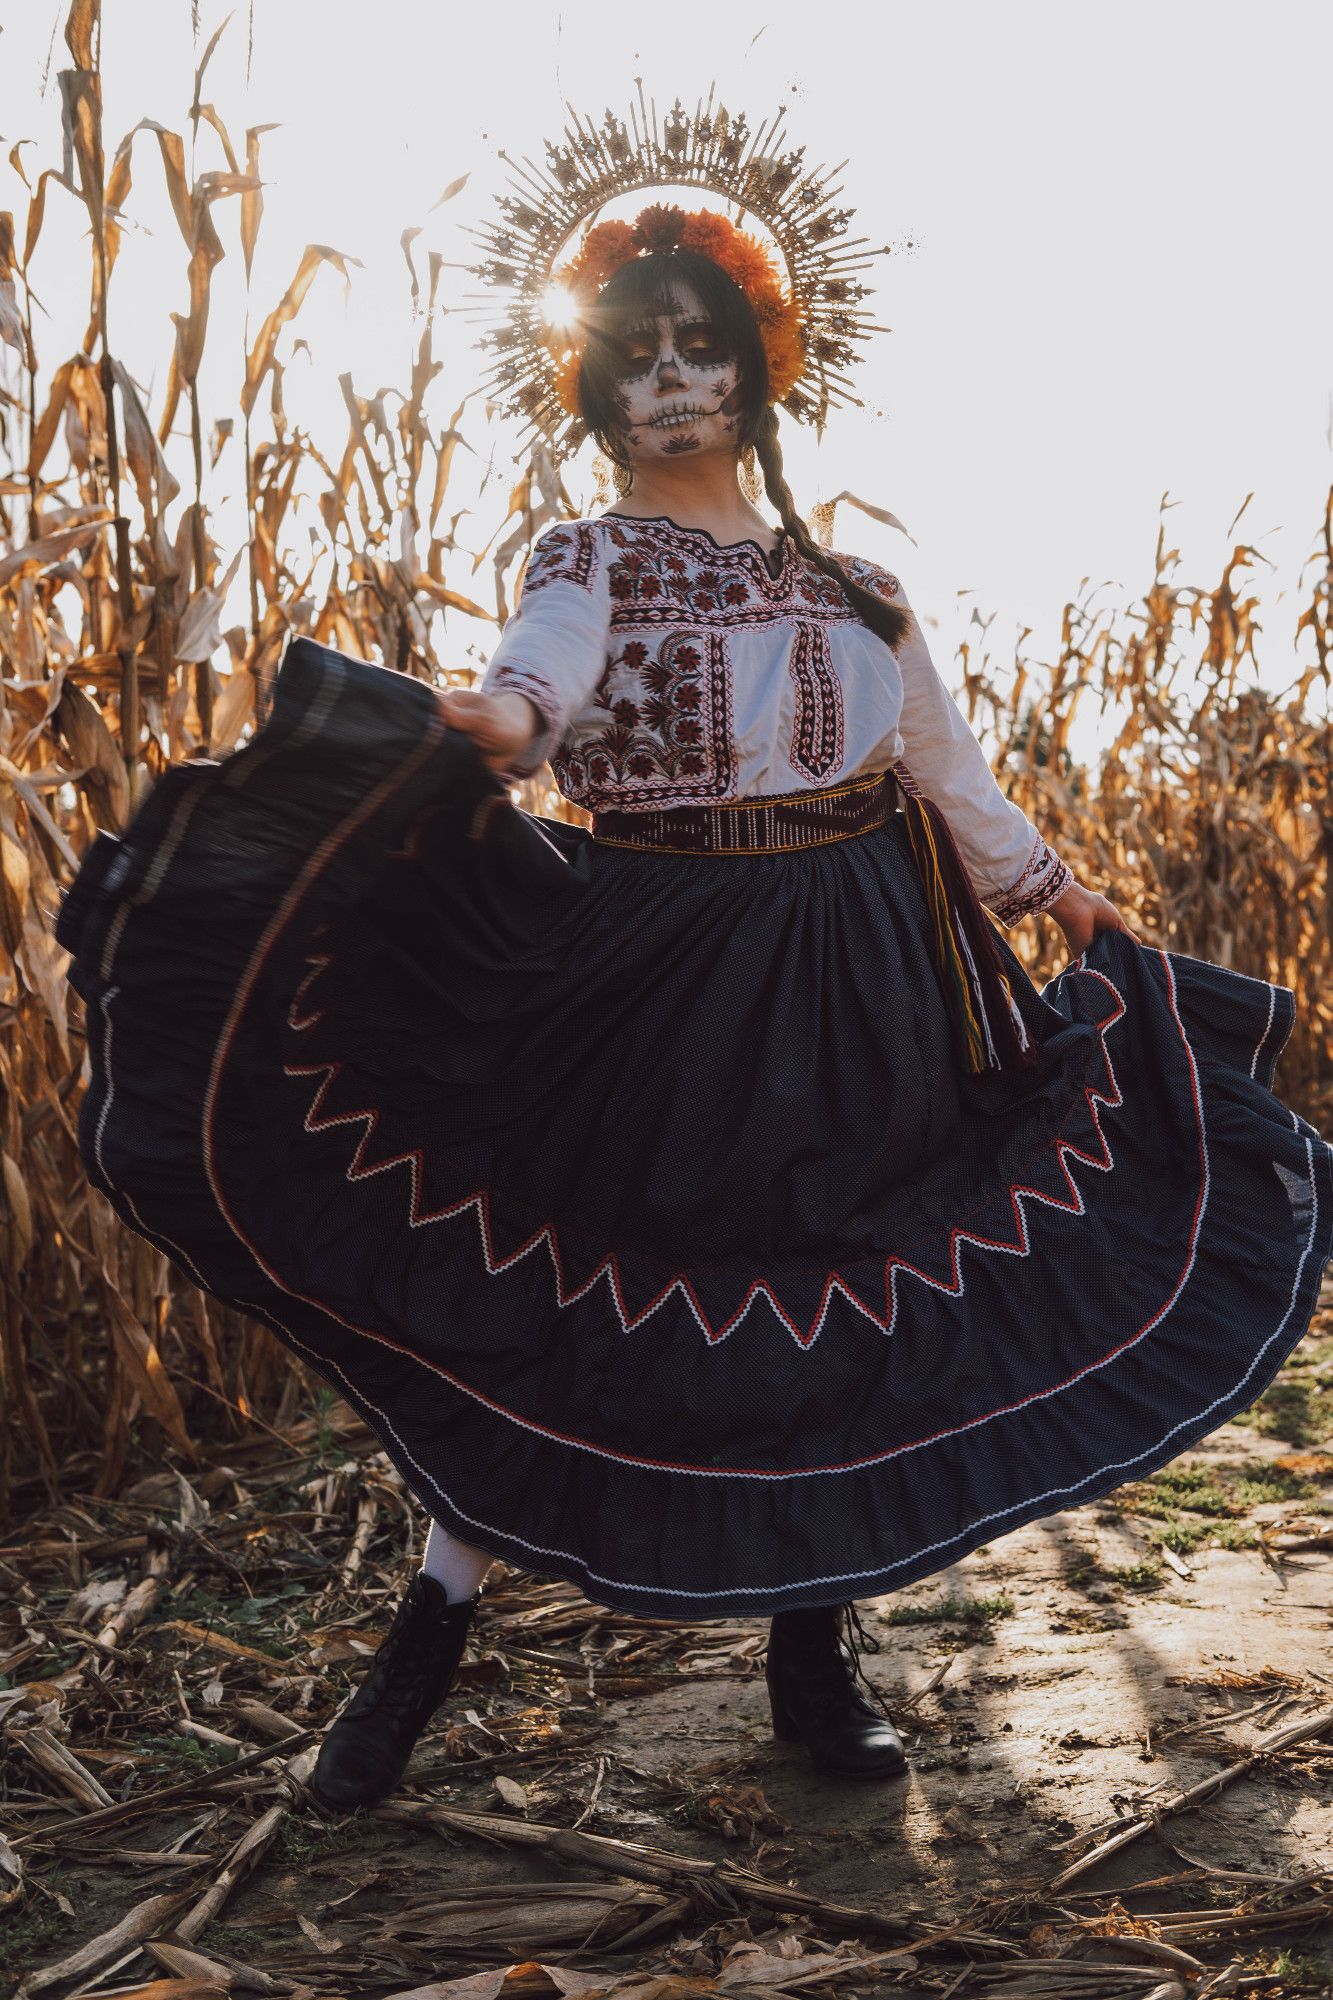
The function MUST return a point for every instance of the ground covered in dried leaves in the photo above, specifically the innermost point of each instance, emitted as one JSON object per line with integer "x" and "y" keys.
{"x": 1120, "y": 1722}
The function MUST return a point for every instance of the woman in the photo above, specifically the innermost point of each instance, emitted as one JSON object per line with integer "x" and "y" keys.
{"x": 704, "y": 1206}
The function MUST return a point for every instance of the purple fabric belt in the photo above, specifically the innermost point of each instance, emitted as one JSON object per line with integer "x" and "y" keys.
{"x": 776, "y": 824}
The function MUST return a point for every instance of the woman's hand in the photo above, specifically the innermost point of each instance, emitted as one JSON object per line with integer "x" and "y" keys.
{"x": 501, "y": 725}
{"x": 1081, "y": 913}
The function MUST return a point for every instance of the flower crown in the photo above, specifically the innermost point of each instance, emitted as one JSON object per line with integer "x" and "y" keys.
{"x": 812, "y": 324}
{"x": 660, "y": 228}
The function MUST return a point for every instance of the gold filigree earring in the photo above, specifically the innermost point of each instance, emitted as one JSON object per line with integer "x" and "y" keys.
{"x": 601, "y": 479}
{"x": 752, "y": 485}
{"x": 622, "y": 479}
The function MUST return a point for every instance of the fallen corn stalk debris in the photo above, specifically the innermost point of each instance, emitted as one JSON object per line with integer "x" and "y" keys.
{"x": 1277, "y": 1739}
{"x": 708, "y": 1883}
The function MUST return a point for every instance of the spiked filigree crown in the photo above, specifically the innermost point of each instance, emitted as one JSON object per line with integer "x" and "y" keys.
{"x": 822, "y": 311}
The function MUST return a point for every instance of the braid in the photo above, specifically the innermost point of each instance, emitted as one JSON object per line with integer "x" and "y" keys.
{"x": 888, "y": 621}
{"x": 990, "y": 1030}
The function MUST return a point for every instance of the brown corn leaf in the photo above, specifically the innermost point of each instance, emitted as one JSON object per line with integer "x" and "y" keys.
{"x": 232, "y": 709}
{"x": 198, "y": 635}
{"x": 92, "y": 745}
{"x": 156, "y": 483}
{"x": 196, "y": 109}
{"x": 405, "y": 241}
{"x": 37, "y": 211}
{"x": 44, "y": 964}
{"x": 252, "y": 201}
{"x": 146, "y": 1369}
{"x": 261, "y": 355}
{"x": 454, "y": 187}
{"x": 80, "y": 27}
{"x": 880, "y": 514}
{"x": 18, "y": 1213}
{"x": 33, "y": 557}
{"x": 15, "y": 880}
{"x": 209, "y": 114}
{"x": 183, "y": 1989}
{"x": 141, "y": 1922}
{"x": 49, "y": 421}
{"x": 11, "y": 1875}
{"x": 452, "y": 600}
{"x": 11, "y": 323}
{"x": 81, "y": 118}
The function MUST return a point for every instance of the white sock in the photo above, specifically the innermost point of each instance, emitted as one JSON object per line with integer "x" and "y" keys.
{"x": 456, "y": 1566}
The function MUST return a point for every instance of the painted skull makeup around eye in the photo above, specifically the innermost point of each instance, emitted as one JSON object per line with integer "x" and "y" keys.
{"x": 678, "y": 387}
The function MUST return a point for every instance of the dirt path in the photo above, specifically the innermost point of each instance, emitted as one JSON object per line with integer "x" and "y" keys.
{"x": 1067, "y": 1680}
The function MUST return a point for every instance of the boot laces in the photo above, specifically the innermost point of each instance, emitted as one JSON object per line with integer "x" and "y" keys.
{"x": 847, "y": 1640}
{"x": 406, "y": 1668}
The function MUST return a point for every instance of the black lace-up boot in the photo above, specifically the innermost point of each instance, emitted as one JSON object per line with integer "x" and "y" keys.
{"x": 365, "y": 1752}
{"x": 812, "y": 1670}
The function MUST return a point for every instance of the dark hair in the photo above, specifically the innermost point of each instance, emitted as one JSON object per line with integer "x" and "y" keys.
{"x": 642, "y": 288}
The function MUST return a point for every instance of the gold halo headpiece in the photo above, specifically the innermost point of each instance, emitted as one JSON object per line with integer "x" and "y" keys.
{"x": 812, "y": 323}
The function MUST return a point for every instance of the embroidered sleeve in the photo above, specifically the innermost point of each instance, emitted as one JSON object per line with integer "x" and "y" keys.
{"x": 553, "y": 647}
{"x": 1015, "y": 871}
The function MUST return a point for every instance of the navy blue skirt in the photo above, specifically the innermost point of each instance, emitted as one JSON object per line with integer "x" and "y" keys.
{"x": 637, "y": 1202}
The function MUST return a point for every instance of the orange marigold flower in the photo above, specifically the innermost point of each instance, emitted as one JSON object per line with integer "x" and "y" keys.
{"x": 785, "y": 352}
{"x": 604, "y": 249}
{"x": 659, "y": 227}
{"x": 708, "y": 234}
{"x": 770, "y": 308}
{"x": 748, "y": 262}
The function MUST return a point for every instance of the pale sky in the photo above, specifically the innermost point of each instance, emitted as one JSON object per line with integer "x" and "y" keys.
{"x": 1120, "y": 285}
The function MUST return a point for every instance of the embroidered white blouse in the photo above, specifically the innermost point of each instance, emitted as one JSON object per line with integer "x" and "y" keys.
{"x": 670, "y": 669}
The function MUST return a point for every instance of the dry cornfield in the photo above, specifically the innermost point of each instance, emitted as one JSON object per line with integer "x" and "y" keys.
{"x": 1207, "y": 819}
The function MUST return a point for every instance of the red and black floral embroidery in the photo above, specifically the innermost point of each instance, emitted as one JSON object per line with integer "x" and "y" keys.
{"x": 659, "y": 727}
{"x": 668, "y": 728}
{"x": 816, "y": 737}
{"x": 1043, "y": 881}
{"x": 565, "y": 555}
{"x": 881, "y": 581}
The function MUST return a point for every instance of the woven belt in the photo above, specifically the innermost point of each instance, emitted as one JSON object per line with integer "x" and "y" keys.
{"x": 777, "y": 824}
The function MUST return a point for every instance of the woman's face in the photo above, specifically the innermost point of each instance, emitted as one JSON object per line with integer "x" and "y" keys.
{"x": 679, "y": 390}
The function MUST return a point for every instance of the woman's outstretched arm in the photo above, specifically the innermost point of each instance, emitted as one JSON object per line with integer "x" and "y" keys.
{"x": 1016, "y": 871}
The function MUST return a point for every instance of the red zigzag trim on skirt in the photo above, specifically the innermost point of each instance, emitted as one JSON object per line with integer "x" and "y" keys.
{"x": 361, "y": 1168}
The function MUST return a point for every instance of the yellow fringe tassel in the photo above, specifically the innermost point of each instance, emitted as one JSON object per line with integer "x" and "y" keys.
{"x": 952, "y": 955}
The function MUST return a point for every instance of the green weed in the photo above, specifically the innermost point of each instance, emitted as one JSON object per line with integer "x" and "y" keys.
{"x": 979, "y": 1613}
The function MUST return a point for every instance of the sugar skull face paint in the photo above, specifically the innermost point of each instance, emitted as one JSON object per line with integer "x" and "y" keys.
{"x": 677, "y": 386}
